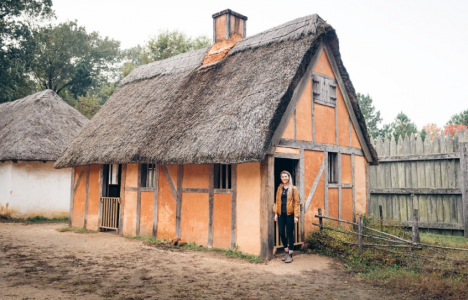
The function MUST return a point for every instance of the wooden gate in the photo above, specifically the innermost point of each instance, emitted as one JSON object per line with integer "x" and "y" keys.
{"x": 110, "y": 208}
{"x": 297, "y": 236}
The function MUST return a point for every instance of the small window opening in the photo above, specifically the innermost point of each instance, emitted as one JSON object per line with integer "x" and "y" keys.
{"x": 222, "y": 176}
{"x": 114, "y": 174}
{"x": 332, "y": 167}
{"x": 147, "y": 175}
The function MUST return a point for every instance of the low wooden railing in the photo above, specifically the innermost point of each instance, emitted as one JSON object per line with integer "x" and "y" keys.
{"x": 297, "y": 236}
{"x": 109, "y": 218}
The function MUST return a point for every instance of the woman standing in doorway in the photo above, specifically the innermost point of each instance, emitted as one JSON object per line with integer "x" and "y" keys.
{"x": 286, "y": 211}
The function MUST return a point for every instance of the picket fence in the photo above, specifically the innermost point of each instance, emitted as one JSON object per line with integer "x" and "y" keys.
{"x": 431, "y": 176}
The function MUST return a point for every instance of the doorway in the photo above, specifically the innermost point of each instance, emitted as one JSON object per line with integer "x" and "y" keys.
{"x": 109, "y": 212}
{"x": 292, "y": 166}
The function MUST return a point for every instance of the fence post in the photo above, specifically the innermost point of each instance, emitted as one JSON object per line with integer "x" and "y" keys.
{"x": 464, "y": 182}
{"x": 415, "y": 232}
{"x": 320, "y": 219}
{"x": 360, "y": 225}
{"x": 381, "y": 217}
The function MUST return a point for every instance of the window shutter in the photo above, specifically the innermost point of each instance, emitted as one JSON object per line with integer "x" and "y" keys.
{"x": 324, "y": 89}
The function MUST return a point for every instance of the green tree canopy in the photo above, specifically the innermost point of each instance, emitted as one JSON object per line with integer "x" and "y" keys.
{"x": 371, "y": 116}
{"x": 14, "y": 32}
{"x": 166, "y": 44}
{"x": 459, "y": 119}
{"x": 68, "y": 57}
{"x": 402, "y": 125}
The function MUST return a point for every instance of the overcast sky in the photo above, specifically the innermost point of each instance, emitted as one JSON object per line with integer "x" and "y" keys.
{"x": 409, "y": 56}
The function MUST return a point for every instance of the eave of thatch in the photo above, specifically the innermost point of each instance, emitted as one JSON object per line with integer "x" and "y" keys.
{"x": 167, "y": 112}
{"x": 37, "y": 127}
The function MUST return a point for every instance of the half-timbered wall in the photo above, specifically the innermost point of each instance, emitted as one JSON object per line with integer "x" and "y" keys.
{"x": 314, "y": 130}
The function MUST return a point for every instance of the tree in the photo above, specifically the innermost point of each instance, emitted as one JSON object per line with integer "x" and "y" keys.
{"x": 169, "y": 43}
{"x": 14, "y": 32}
{"x": 67, "y": 57}
{"x": 88, "y": 105}
{"x": 461, "y": 118}
{"x": 371, "y": 116}
{"x": 430, "y": 129}
{"x": 402, "y": 125}
{"x": 454, "y": 128}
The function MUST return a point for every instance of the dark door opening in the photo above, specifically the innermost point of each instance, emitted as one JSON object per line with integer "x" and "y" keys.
{"x": 110, "y": 200}
{"x": 285, "y": 164}
{"x": 292, "y": 166}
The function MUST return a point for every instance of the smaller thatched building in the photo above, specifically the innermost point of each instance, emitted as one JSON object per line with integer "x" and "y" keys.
{"x": 34, "y": 131}
{"x": 192, "y": 146}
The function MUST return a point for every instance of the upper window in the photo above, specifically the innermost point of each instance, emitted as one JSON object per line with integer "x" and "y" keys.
{"x": 332, "y": 167}
{"x": 222, "y": 176}
{"x": 147, "y": 175}
{"x": 324, "y": 89}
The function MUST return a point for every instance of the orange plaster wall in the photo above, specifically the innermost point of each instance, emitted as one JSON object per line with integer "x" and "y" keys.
{"x": 288, "y": 150}
{"x": 222, "y": 221}
{"x": 312, "y": 162}
{"x": 196, "y": 176}
{"x": 248, "y": 208}
{"x": 346, "y": 176}
{"x": 289, "y": 131}
{"x": 360, "y": 199}
{"x": 93, "y": 198}
{"x": 146, "y": 213}
{"x": 79, "y": 199}
{"x": 194, "y": 218}
{"x": 343, "y": 120}
{"x": 347, "y": 204}
{"x": 333, "y": 203}
{"x": 304, "y": 114}
{"x": 131, "y": 178}
{"x": 323, "y": 66}
{"x": 324, "y": 124}
{"x": 129, "y": 225}
{"x": 166, "y": 208}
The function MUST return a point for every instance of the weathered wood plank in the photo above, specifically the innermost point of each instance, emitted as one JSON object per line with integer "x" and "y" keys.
{"x": 464, "y": 183}
{"x": 234, "y": 209}
{"x": 138, "y": 204}
{"x": 325, "y": 159}
{"x": 418, "y": 191}
{"x": 286, "y": 155}
{"x": 210, "y": 190}
{"x": 438, "y": 156}
{"x": 267, "y": 200}
{"x": 123, "y": 176}
{"x": 306, "y": 145}
{"x": 180, "y": 172}
{"x": 435, "y": 225}
{"x": 155, "y": 201}
{"x": 72, "y": 195}
{"x": 195, "y": 190}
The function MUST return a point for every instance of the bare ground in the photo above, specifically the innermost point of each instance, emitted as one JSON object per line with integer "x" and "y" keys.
{"x": 38, "y": 262}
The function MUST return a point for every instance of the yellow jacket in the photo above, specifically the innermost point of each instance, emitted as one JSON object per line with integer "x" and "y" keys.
{"x": 292, "y": 206}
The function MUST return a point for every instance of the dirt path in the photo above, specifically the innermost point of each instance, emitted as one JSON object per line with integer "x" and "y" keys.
{"x": 38, "y": 262}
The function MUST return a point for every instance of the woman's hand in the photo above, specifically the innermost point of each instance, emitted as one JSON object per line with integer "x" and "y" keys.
{"x": 296, "y": 220}
{"x": 276, "y": 218}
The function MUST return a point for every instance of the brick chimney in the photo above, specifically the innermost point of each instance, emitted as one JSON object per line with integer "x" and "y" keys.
{"x": 229, "y": 28}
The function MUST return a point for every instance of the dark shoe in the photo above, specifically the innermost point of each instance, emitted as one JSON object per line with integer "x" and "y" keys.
{"x": 285, "y": 256}
{"x": 289, "y": 259}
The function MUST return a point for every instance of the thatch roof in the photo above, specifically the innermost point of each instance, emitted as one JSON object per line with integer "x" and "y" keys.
{"x": 169, "y": 112}
{"x": 37, "y": 127}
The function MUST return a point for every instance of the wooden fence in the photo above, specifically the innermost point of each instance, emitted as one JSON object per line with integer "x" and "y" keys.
{"x": 431, "y": 176}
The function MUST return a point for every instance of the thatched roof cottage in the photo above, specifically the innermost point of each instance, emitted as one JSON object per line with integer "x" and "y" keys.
{"x": 34, "y": 131}
{"x": 192, "y": 146}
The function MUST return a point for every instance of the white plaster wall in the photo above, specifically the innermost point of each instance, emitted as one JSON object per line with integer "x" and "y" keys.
{"x": 32, "y": 188}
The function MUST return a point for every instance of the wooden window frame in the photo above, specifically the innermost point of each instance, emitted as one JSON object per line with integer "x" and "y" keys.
{"x": 324, "y": 89}
{"x": 333, "y": 168}
{"x": 222, "y": 177}
{"x": 147, "y": 175}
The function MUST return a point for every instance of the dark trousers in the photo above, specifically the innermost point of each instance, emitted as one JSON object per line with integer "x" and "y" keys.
{"x": 288, "y": 221}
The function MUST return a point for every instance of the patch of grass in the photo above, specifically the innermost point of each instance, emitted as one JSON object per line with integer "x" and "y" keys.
{"x": 423, "y": 277}
{"x": 75, "y": 229}
{"x": 195, "y": 247}
{"x": 36, "y": 219}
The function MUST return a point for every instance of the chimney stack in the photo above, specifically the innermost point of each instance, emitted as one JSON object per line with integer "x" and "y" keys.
{"x": 228, "y": 23}
{"x": 228, "y": 28}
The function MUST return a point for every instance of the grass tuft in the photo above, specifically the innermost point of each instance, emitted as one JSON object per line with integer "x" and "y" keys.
{"x": 75, "y": 229}
{"x": 36, "y": 219}
{"x": 195, "y": 247}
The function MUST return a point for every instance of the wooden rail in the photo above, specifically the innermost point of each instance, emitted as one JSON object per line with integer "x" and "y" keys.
{"x": 110, "y": 207}
{"x": 297, "y": 237}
